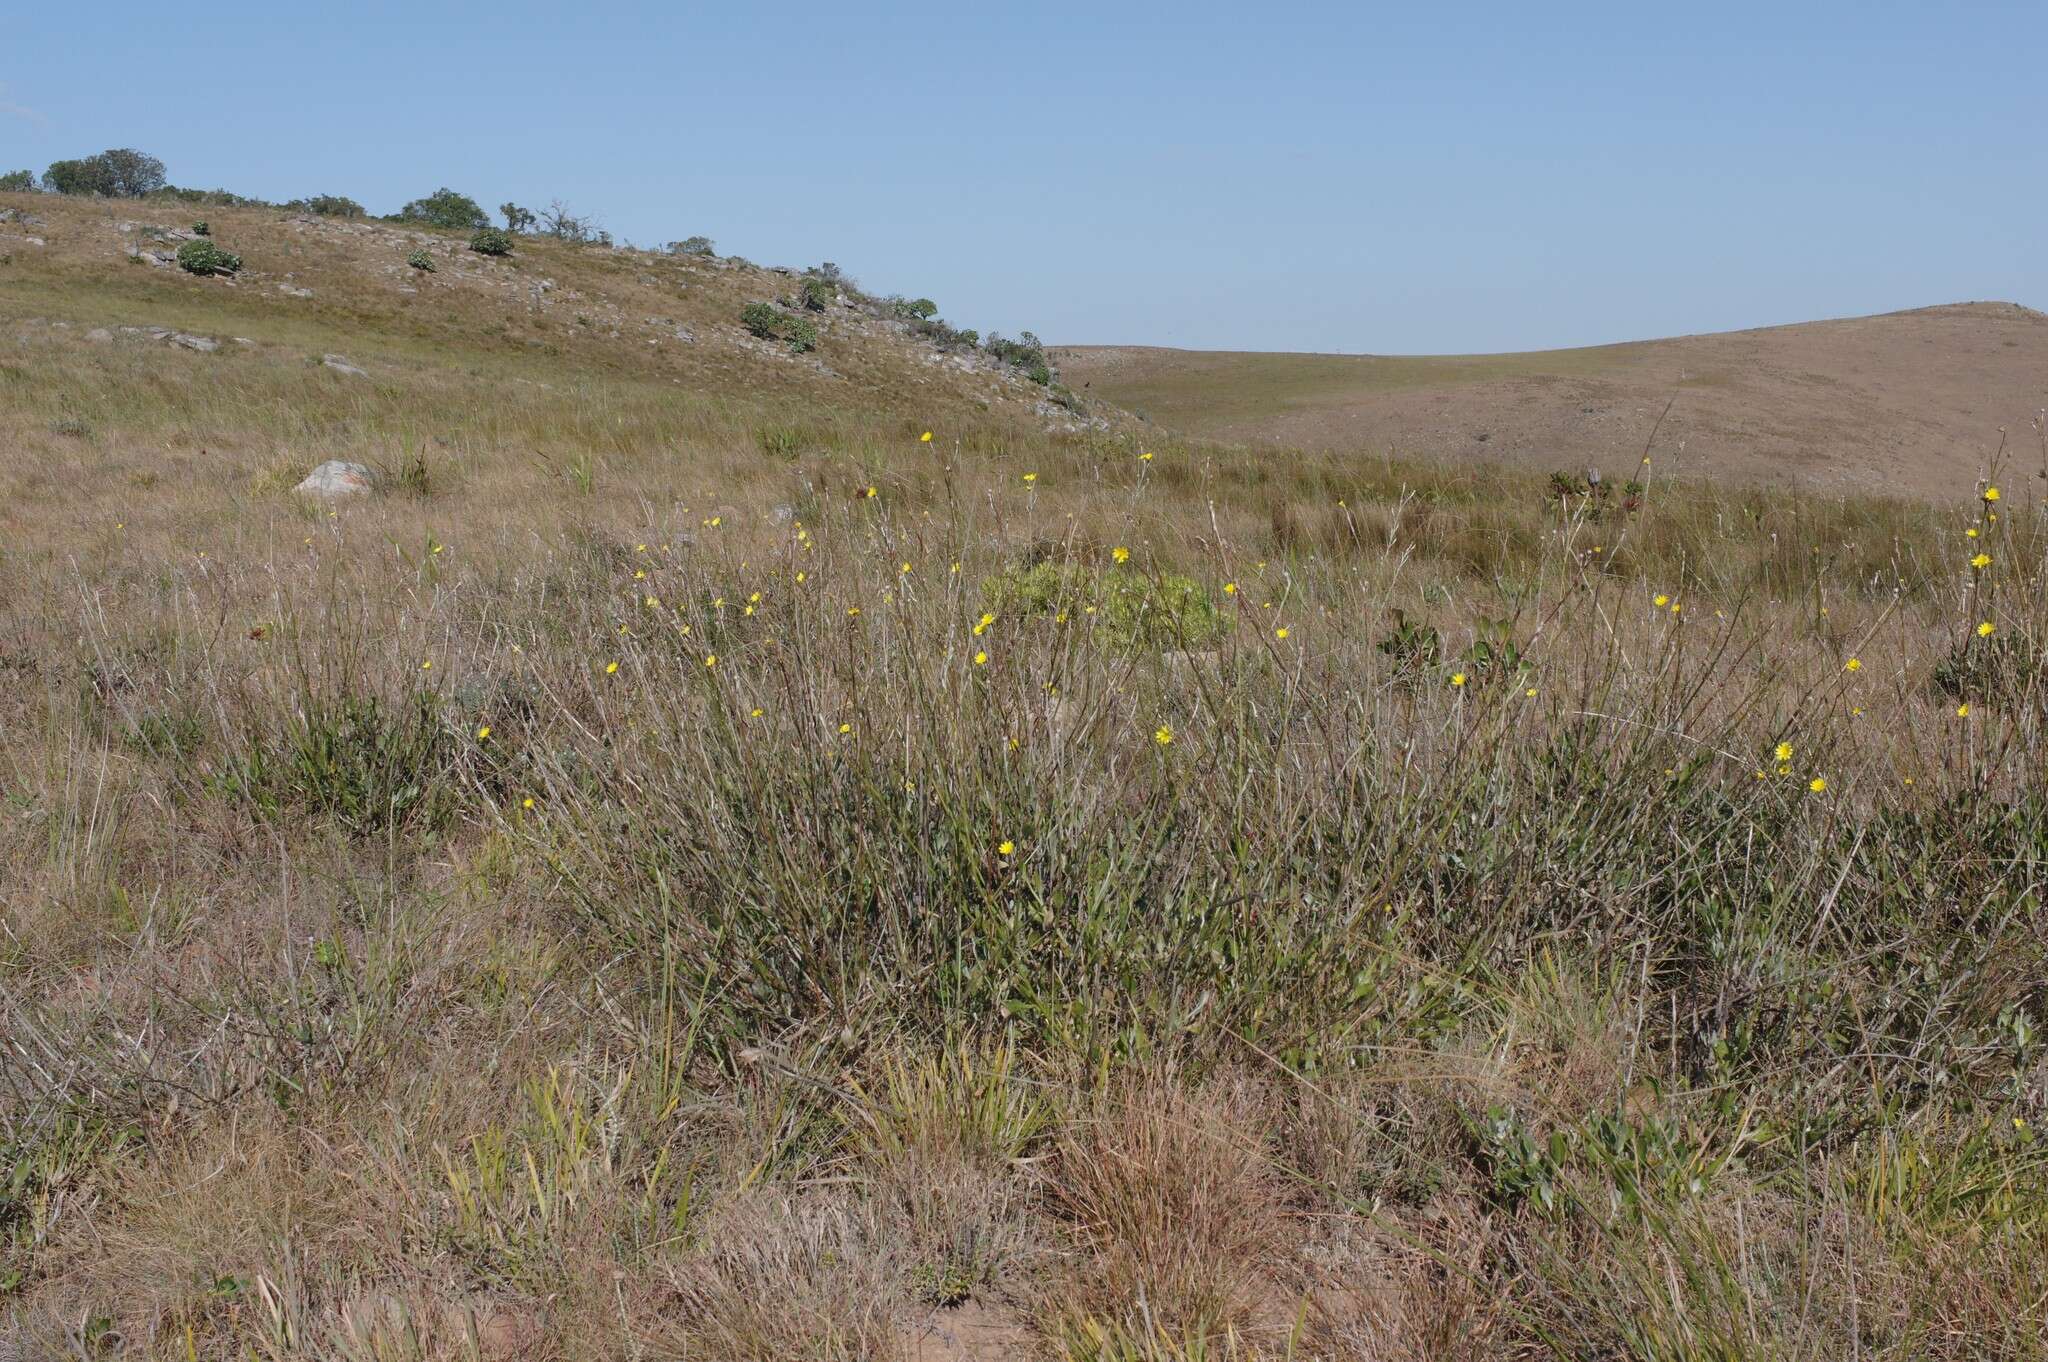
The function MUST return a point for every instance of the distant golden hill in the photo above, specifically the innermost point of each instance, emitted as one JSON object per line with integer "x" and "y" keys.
{"x": 1909, "y": 403}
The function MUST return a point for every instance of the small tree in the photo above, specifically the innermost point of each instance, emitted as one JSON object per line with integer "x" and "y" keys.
{"x": 17, "y": 182}
{"x": 490, "y": 241}
{"x": 762, "y": 320}
{"x": 117, "y": 173}
{"x": 517, "y": 219}
{"x": 557, "y": 221}
{"x": 921, "y": 309}
{"x": 692, "y": 245}
{"x": 446, "y": 209}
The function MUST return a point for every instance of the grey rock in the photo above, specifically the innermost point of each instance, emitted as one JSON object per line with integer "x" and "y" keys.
{"x": 341, "y": 365}
{"x": 781, "y": 513}
{"x": 289, "y": 291}
{"x": 338, "y": 479}
{"x": 99, "y": 335}
{"x": 205, "y": 345}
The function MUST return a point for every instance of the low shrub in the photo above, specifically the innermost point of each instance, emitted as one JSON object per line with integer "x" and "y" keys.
{"x": 762, "y": 320}
{"x": 815, "y": 294}
{"x": 692, "y": 245}
{"x": 17, "y": 182}
{"x": 201, "y": 228}
{"x": 1126, "y": 609}
{"x": 800, "y": 334}
{"x": 203, "y": 256}
{"x": 491, "y": 241}
{"x": 420, "y": 260}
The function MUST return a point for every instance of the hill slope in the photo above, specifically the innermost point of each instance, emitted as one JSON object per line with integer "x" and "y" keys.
{"x": 1909, "y": 402}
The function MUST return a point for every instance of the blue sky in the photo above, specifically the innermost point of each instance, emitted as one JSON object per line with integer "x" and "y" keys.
{"x": 1345, "y": 177}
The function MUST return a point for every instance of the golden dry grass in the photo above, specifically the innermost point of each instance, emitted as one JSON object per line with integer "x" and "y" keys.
{"x": 594, "y": 902}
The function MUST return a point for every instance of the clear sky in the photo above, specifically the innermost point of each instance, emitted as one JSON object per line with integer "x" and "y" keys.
{"x": 1314, "y": 176}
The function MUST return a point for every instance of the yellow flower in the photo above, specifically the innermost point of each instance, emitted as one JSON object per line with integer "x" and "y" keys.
{"x": 711, "y": 659}
{"x": 483, "y": 731}
{"x": 1163, "y": 735}
{"x": 755, "y": 598}
{"x": 872, "y": 492}
{"x": 1991, "y": 494}
{"x": 1971, "y": 532}
{"x": 1784, "y": 752}
{"x": 715, "y": 521}
{"x": 925, "y": 438}
{"x": 639, "y": 548}
{"x": 1005, "y": 847}
{"x": 1986, "y": 629}
{"x": 1031, "y": 477}
{"x": 653, "y": 601}
{"x": 1661, "y": 602}
{"x": 758, "y": 712}
{"x": 1121, "y": 554}
{"x": 956, "y": 567}
{"x": 846, "y": 728}
{"x": 1457, "y": 678}
{"x": 749, "y": 610}
{"x": 981, "y": 659}
{"x": 1674, "y": 608}
{"x": 1982, "y": 560}
{"x": 1816, "y": 785}
{"x": 1145, "y": 457}
{"x": 1230, "y": 588}
{"x": 1531, "y": 692}
{"x": 800, "y": 576}
{"x": 428, "y": 665}
{"x": 1281, "y": 632}
{"x": 526, "y": 803}
{"x": 852, "y": 610}
{"x": 1854, "y": 664}
{"x": 1963, "y": 710}
{"x": 611, "y": 668}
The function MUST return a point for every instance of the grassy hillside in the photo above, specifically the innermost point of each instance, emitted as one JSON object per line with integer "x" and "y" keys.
{"x": 691, "y": 868}
{"x": 1912, "y": 403}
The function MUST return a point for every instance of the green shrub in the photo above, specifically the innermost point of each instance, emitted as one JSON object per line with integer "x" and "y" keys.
{"x": 201, "y": 228}
{"x": 815, "y": 294}
{"x": 918, "y": 309}
{"x": 490, "y": 241}
{"x": 692, "y": 245}
{"x": 800, "y": 334}
{"x": 17, "y": 182}
{"x": 328, "y": 206}
{"x": 762, "y": 320}
{"x": 446, "y": 209}
{"x": 202, "y": 256}
{"x": 1127, "y": 609}
{"x": 420, "y": 260}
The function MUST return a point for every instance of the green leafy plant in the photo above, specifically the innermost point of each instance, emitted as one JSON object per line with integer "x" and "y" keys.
{"x": 446, "y": 209}
{"x": 762, "y": 320}
{"x": 202, "y": 256}
{"x": 491, "y": 241}
{"x": 800, "y": 334}
{"x": 1414, "y": 647}
{"x": 421, "y": 261}
{"x": 201, "y": 228}
{"x": 815, "y": 294}
{"x": 1125, "y": 609}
